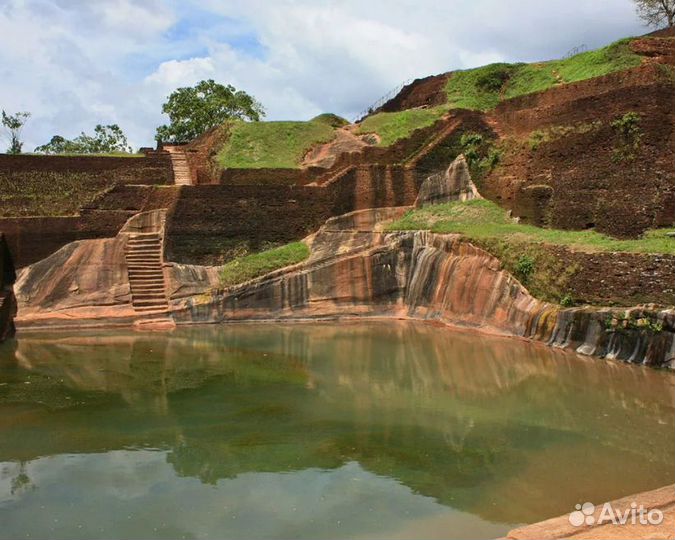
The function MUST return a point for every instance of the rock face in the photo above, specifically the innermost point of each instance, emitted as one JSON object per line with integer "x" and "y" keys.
{"x": 7, "y": 299}
{"x": 356, "y": 269}
{"x": 419, "y": 275}
{"x": 454, "y": 184}
{"x": 89, "y": 280}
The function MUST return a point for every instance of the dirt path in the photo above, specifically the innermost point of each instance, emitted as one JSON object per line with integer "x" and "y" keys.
{"x": 324, "y": 155}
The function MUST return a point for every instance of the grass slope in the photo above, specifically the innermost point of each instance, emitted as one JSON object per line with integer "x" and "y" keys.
{"x": 483, "y": 88}
{"x": 481, "y": 219}
{"x": 394, "y": 126}
{"x": 257, "y": 145}
{"x": 251, "y": 266}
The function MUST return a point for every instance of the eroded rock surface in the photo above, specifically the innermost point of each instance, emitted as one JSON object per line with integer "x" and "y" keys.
{"x": 454, "y": 184}
{"x": 420, "y": 275}
{"x": 356, "y": 269}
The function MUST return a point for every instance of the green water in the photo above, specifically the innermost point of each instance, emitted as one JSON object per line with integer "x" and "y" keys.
{"x": 379, "y": 430}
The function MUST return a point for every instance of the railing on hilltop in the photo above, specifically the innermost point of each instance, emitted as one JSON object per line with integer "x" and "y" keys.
{"x": 577, "y": 50}
{"x": 381, "y": 101}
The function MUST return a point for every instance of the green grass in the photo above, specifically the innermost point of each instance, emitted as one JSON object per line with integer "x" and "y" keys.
{"x": 483, "y": 88}
{"x": 282, "y": 145}
{"x": 251, "y": 266}
{"x": 482, "y": 220}
{"x": 394, "y": 126}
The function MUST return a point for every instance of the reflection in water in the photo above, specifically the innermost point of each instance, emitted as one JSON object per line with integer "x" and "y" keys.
{"x": 322, "y": 431}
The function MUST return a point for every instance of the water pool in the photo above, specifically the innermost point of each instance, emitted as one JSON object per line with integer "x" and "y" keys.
{"x": 351, "y": 430}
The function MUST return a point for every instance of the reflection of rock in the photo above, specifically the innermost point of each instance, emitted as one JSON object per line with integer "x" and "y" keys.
{"x": 7, "y": 299}
{"x": 234, "y": 399}
{"x": 454, "y": 184}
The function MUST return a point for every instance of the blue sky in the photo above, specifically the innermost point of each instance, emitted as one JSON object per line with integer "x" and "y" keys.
{"x": 76, "y": 63}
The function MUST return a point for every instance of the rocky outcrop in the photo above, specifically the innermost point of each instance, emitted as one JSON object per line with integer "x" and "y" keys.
{"x": 7, "y": 299}
{"x": 443, "y": 278}
{"x": 356, "y": 269}
{"x": 96, "y": 281}
{"x": 454, "y": 184}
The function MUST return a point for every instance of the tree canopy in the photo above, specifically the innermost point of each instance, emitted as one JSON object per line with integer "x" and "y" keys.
{"x": 194, "y": 110}
{"x": 106, "y": 140}
{"x": 656, "y": 13}
{"x": 13, "y": 124}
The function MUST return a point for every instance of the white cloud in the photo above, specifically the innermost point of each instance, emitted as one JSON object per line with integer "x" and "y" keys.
{"x": 76, "y": 63}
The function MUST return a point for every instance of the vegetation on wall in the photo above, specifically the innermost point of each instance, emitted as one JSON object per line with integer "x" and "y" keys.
{"x": 49, "y": 193}
{"x": 628, "y": 136}
{"x": 552, "y": 133}
{"x": 251, "y": 266}
{"x": 273, "y": 144}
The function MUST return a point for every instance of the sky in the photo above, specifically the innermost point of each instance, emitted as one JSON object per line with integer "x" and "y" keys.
{"x": 77, "y": 63}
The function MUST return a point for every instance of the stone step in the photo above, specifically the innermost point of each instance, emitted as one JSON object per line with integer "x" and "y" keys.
{"x": 143, "y": 235}
{"x": 140, "y": 244}
{"x": 149, "y": 309}
{"x": 150, "y": 303}
{"x": 140, "y": 298}
{"x": 156, "y": 323}
{"x": 157, "y": 248}
{"x": 143, "y": 289}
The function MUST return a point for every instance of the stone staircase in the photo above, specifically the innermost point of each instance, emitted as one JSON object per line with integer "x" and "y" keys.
{"x": 182, "y": 174}
{"x": 144, "y": 265}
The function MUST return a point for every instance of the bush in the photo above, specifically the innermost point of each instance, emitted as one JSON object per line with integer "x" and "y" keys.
{"x": 524, "y": 268}
{"x": 629, "y": 136}
{"x": 470, "y": 144}
{"x": 567, "y": 301}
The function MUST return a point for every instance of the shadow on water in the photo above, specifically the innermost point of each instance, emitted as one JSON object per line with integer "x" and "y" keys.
{"x": 499, "y": 430}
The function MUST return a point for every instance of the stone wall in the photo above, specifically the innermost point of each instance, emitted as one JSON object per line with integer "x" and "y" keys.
{"x": 578, "y": 178}
{"x": 33, "y": 238}
{"x": 153, "y": 169}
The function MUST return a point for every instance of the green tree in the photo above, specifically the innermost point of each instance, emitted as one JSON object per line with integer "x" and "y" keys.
{"x": 13, "y": 124}
{"x": 194, "y": 110}
{"x": 105, "y": 140}
{"x": 656, "y": 12}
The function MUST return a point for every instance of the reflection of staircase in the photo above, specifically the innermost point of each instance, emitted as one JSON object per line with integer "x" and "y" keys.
{"x": 146, "y": 277}
{"x": 182, "y": 175}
